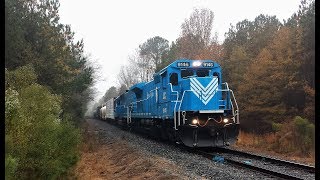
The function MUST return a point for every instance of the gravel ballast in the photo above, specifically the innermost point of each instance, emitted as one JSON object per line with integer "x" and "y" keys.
{"x": 194, "y": 166}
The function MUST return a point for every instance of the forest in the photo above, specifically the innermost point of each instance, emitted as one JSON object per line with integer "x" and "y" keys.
{"x": 47, "y": 75}
{"x": 269, "y": 64}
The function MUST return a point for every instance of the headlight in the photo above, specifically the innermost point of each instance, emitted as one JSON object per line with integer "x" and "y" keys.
{"x": 195, "y": 121}
{"x": 196, "y": 63}
{"x": 225, "y": 120}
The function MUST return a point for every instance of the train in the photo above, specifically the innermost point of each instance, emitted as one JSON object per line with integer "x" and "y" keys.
{"x": 186, "y": 102}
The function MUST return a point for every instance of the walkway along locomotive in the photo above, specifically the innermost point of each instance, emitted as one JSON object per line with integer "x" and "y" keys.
{"x": 185, "y": 102}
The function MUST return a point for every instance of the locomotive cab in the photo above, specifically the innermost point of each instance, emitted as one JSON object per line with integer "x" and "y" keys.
{"x": 204, "y": 113}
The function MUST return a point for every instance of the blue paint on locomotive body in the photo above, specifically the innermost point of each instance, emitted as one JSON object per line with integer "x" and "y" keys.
{"x": 184, "y": 85}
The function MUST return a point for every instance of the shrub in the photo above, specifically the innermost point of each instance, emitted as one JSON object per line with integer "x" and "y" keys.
{"x": 276, "y": 127}
{"x": 295, "y": 137}
{"x": 39, "y": 145}
{"x": 11, "y": 166}
{"x": 304, "y": 134}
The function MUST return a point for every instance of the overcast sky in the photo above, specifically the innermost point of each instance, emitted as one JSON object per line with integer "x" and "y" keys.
{"x": 112, "y": 30}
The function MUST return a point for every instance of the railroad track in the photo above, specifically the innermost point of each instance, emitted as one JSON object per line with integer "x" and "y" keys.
{"x": 288, "y": 170}
{"x": 271, "y": 166}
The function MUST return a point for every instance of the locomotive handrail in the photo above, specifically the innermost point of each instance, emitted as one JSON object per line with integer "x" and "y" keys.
{"x": 128, "y": 115}
{"x": 226, "y": 85}
{"x": 136, "y": 103}
{"x": 175, "y": 106}
{"x": 237, "y": 110}
{"x": 232, "y": 110}
{"x": 235, "y": 113}
{"x": 182, "y": 97}
{"x": 174, "y": 91}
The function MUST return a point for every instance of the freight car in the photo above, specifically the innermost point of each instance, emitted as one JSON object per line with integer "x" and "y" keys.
{"x": 185, "y": 102}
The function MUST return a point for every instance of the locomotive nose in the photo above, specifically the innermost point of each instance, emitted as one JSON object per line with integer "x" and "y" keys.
{"x": 204, "y": 88}
{"x": 200, "y": 93}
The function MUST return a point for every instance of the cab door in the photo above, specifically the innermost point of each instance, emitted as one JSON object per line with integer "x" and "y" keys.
{"x": 163, "y": 95}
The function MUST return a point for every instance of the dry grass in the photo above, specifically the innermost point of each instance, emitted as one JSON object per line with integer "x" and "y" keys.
{"x": 116, "y": 160}
{"x": 275, "y": 144}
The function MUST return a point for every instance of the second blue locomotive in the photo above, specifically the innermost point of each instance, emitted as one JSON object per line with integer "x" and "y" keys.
{"x": 185, "y": 102}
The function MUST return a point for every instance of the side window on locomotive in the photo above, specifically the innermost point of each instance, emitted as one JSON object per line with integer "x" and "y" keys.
{"x": 174, "y": 79}
{"x": 217, "y": 74}
{"x": 202, "y": 72}
{"x": 186, "y": 73}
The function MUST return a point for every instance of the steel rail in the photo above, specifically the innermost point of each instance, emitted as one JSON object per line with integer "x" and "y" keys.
{"x": 273, "y": 160}
{"x": 248, "y": 166}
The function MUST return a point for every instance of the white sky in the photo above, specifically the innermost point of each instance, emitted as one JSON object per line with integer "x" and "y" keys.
{"x": 112, "y": 30}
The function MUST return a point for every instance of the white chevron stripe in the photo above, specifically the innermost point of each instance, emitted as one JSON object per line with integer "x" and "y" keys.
{"x": 206, "y": 102}
{"x": 207, "y": 89}
{"x": 195, "y": 91}
{"x": 210, "y": 93}
{"x": 196, "y": 82}
{"x": 205, "y": 94}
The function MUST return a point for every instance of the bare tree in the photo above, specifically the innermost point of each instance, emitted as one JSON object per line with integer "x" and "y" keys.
{"x": 122, "y": 89}
{"x": 199, "y": 25}
{"x": 195, "y": 38}
{"x": 144, "y": 62}
{"x": 128, "y": 76}
{"x": 144, "y": 65}
{"x": 139, "y": 69}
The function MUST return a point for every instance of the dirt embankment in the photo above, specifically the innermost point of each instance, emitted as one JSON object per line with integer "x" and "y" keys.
{"x": 116, "y": 160}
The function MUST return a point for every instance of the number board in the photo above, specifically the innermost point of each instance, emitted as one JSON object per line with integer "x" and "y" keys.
{"x": 208, "y": 64}
{"x": 183, "y": 64}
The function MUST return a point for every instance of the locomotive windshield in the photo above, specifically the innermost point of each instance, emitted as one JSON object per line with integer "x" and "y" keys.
{"x": 202, "y": 72}
{"x": 186, "y": 73}
{"x": 194, "y": 73}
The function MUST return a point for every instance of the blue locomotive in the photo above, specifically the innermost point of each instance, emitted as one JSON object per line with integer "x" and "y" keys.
{"x": 185, "y": 102}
